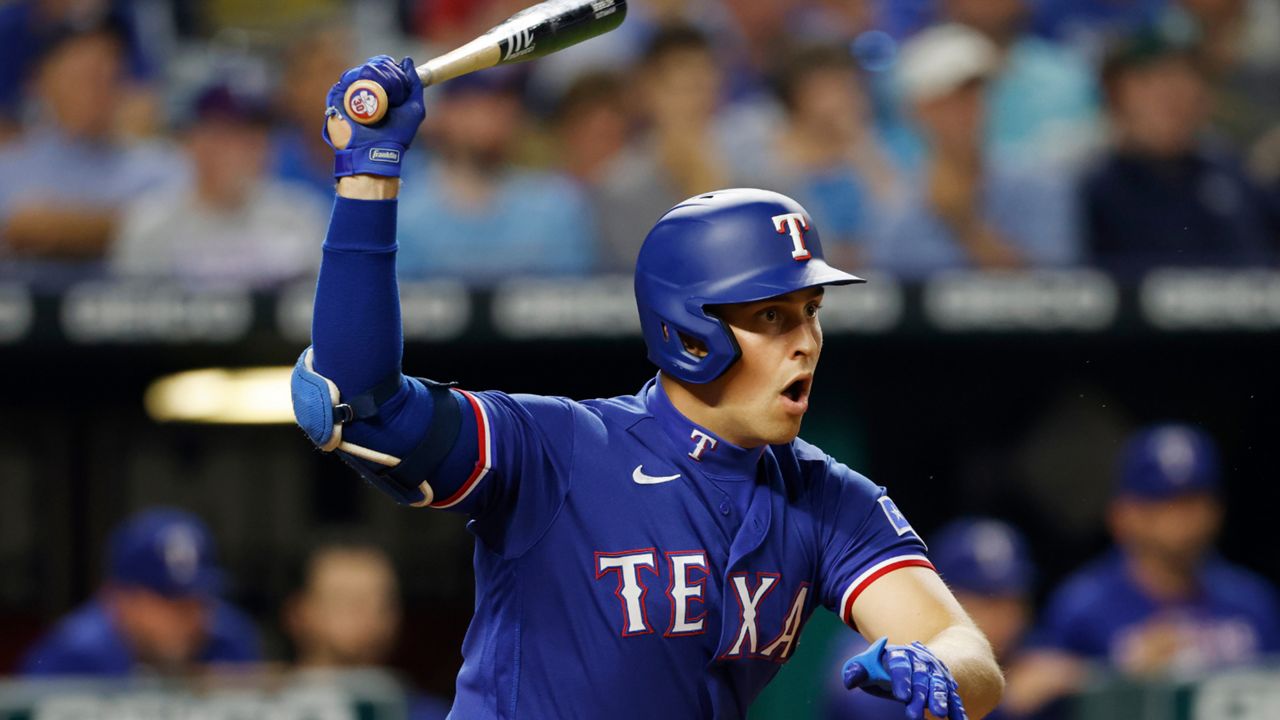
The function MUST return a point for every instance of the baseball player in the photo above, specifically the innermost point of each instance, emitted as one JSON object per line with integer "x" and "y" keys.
{"x": 650, "y": 553}
{"x": 1161, "y": 601}
{"x": 158, "y": 610}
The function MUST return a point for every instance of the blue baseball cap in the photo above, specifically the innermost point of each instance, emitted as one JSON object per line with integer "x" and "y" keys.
{"x": 984, "y": 556}
{"x": 1166, "y": 461}
{"x": 165, "y": 550}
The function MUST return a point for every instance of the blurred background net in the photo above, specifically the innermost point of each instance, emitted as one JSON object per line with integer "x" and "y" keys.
{"x": 1069, "y": 211}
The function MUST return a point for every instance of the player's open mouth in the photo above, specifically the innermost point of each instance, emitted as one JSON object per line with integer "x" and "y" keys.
{"x": 796, "y": 394}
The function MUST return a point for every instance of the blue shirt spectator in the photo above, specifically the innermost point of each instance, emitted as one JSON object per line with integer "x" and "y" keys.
{"x": 1030, "y": 208}
{"x": 158, "y": 609}
{"x": 62, "y": 184}
{"x": 529, "y": 223}
{"x": 469, "y": 213}
{"x": 1042, "y": 99}
{"x": 49, "y": 167}
{"x": 1042, "y": 102}
{"x": 966, "y": 206}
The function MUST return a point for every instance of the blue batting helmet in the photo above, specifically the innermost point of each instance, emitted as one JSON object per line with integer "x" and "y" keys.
{"x": 728, "y": 246}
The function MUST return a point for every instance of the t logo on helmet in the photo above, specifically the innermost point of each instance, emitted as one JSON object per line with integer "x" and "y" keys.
{"x": 795, "y": 224}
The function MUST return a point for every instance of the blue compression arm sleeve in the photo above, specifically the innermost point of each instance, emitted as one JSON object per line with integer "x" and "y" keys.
{"x": 356, "y": 335}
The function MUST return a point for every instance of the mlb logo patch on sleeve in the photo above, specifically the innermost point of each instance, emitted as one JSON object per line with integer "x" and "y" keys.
{"x": 896, "y": 518}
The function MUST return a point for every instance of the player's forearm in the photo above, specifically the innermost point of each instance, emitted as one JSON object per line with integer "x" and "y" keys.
{"x": 355, "y": 331}
{"x": 969, "y": 657}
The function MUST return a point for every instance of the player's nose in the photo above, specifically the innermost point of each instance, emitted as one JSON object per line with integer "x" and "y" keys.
{"x": 806, "y": 340}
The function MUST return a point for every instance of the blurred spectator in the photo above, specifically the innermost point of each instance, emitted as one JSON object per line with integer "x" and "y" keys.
{"x": 346, "y": 614}
{"x": 63, "y": 181}
{"x": 754, "y": 34}
{"x": 1239, "y": 50}
{"x": 826, "y": 155}
{"x": 1164, "y": 195}
{"x": 591, "y": 125}
{"x": 471, "y": 214}
{"x": 230, "y": 224}
{"x": 29, "y": 27}
{"x": 681, "y": 153}
{"x": 158, "y": 608}
{"x": 312, "y": 62}
{"x": 986, "y": 564}
{"x": 967, "y": 207}
{"x": 1162, "y": 601}
{"x": 1042, "y": 100}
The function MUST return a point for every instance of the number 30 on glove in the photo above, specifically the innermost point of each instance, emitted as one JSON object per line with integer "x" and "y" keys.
{"x": 910, "y": 674}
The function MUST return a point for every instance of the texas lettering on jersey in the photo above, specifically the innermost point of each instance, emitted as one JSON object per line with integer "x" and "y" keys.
{"x": 684, "y": 611}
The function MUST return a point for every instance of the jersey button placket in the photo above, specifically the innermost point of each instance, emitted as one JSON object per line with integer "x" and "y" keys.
{"x": 724, "y": 507}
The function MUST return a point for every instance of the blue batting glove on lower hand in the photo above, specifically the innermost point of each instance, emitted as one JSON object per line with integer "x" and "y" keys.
{"x": 376, "y": 149}
{"x": 910, "y": 674}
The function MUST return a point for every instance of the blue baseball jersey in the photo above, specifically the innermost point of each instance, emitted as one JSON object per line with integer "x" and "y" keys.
{"x": 1233, "y": 617}
{"x": 630, "y": 562}
{"x": 87, "y": 642}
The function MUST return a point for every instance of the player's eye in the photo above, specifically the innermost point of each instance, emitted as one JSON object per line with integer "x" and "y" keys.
{"x": 769, "y": 315}
{"x": 811, "y": 310}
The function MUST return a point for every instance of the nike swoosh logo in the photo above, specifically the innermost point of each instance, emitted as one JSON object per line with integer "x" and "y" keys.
{"x": 641, "y": 479}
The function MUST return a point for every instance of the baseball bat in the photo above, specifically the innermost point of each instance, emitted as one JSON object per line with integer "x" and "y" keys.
{"x": 532, "y": 33}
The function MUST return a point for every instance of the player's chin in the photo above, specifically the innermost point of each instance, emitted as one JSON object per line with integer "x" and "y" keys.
{"x": 783, "y": 430}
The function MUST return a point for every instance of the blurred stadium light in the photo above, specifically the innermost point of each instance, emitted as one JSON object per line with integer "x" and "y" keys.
{"x": 243, "y": 396}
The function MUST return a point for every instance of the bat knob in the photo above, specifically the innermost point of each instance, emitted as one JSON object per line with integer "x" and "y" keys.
{"x": 365, "y": 102}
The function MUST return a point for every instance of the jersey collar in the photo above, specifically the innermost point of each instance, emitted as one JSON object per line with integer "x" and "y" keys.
{"x": 710, "y": 453}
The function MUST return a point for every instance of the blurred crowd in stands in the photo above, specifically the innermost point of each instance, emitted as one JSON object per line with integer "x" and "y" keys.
{"x": 1161, "y": 603}
{"x": 181, "y": 139}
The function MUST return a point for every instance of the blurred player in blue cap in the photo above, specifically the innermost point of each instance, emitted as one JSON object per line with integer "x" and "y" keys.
{"x": 1161, "y": 601}
{"x": 157, "y": 610}
{"x": 989, "y": 569}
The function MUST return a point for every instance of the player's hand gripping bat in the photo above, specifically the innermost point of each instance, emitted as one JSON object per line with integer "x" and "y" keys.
{"x": 531, "y": 33}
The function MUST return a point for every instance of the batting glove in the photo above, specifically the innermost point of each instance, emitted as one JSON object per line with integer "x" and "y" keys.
{"x": 910, "y": 674}
{"x": 377, "y": 149}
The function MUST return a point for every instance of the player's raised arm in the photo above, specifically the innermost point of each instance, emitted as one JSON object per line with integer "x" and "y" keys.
{"x": 352, "y": 371}
{"x": 423, "y": 443}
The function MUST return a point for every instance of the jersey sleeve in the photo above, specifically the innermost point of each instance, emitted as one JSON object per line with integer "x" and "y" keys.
{"x": 864, "y": 537}
{"x": 509, "y": 467}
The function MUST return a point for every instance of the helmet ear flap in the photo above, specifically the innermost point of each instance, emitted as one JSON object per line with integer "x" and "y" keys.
{"x": 693, "y": 354}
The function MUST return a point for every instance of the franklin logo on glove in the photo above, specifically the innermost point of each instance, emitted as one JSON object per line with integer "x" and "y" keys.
{"x": 384, "y": 155}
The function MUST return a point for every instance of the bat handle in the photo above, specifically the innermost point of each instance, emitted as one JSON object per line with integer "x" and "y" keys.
{"x": 365, "y": 102}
